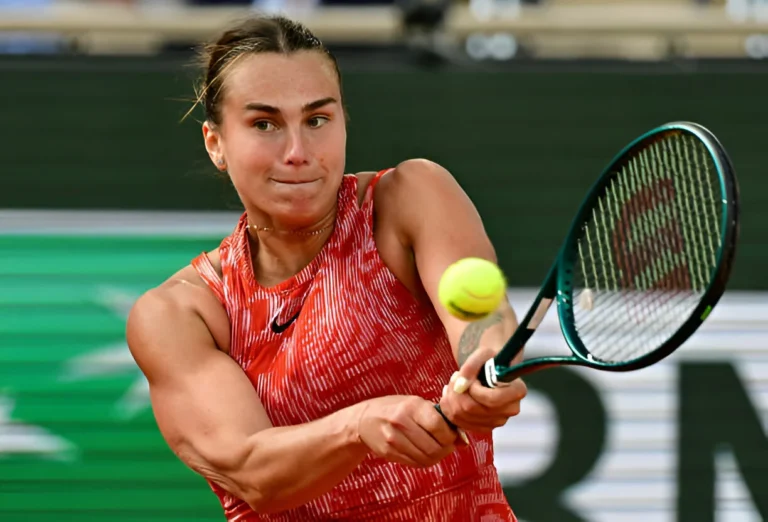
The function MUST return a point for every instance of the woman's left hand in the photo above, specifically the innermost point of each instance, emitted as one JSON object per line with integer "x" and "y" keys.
{"x": 473, "y": 407}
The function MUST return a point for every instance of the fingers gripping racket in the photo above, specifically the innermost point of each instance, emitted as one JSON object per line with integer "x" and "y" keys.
{"x": 645, "y": 260}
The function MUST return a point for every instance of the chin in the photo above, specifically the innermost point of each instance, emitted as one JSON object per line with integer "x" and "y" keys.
{"x": 300, "y": 212}
{"x": 296, "y": 204}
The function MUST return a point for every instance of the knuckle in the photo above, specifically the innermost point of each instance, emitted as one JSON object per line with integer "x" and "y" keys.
{"x": 404, "y": 410}
{"x": 389, "y": 437}
{"x": 413, "y": 403}
{"x": 399, "y": 410}
{"x": 466, "y": 405}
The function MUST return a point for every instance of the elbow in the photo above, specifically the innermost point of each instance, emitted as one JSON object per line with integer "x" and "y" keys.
{"x": 234, "y": 472}
{"x": 248, "y": 489}
{"x": 250, "y": 485}
{"x": 229, "y": 470}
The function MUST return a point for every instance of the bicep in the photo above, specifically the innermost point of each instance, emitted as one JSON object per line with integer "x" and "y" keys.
{"x": 204, "y": 405}
{"x": 208, "y": 414}
{"x": 441, "y": 225}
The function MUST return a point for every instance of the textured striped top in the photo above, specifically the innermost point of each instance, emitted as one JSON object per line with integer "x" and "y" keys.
{"x": 359, "y": 334}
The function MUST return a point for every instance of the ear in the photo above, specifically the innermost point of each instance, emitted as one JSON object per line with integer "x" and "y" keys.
{"x": 213, "y": 145}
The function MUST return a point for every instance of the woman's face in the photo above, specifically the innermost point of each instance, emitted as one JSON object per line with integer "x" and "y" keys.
{"x": 282, "y": 136}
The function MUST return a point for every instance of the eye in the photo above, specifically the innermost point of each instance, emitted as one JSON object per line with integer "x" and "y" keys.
{"x": 318, "y": 121}
{"x": 264, "y": 125}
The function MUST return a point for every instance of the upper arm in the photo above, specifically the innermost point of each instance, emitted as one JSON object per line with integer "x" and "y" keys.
{"x": 438, "y": 222}
{"x": 204, "y": 405}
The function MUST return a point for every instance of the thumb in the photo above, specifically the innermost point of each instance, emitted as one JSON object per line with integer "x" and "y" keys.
{"x": 471, "y": 368}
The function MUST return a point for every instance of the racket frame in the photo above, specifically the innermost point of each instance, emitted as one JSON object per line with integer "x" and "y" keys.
{"x": 557, "y": 285}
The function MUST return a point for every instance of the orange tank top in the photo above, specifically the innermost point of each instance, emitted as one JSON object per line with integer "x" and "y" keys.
{"x": 341, "y": 331}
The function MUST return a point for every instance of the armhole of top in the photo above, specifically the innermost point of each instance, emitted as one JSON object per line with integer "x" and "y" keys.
{"x": 204, "y": 267}
{"x": 368, "y": 200}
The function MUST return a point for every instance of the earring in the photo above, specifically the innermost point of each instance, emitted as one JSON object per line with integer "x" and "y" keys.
{"x": 220, "y": 162}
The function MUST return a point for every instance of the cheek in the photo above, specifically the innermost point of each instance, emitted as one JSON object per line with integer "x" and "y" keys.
{"x": 332, "y": 153}
{"x": 249, "y": 154}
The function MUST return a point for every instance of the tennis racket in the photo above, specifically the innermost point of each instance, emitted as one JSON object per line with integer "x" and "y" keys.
{"x": 645, "y": 260}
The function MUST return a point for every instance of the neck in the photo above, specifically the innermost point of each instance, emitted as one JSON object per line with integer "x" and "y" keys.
{"x": 280, "y": 253}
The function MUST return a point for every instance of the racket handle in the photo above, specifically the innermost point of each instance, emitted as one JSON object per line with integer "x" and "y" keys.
{"x": 489, "y": 376}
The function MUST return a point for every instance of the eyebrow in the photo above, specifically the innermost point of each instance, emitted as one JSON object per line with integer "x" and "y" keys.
{"x": 253, "y": 106}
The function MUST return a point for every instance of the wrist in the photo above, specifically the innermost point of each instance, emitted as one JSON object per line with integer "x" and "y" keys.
{"x": 352, "y": 427}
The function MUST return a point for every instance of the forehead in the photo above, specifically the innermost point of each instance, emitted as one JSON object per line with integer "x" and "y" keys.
{"x": 280, "y": 79}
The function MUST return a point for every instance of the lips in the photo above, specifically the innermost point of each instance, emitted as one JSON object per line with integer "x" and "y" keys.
{"x": 293, "y": 181}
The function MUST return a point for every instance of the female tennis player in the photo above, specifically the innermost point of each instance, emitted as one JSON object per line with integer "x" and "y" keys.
{"x": 296, "y": 367}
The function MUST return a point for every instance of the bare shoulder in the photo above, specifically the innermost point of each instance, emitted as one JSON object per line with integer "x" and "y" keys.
{"x": 411, "y": 178}
{"x": 180, "y": 308}
{"x": 400, "y": 182}
{"x": 421, "y": 170}
{"x": 405, "y": 194}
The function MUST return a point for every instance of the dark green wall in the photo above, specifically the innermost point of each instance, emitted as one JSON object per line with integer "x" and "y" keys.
{"x": 525, "y": 144}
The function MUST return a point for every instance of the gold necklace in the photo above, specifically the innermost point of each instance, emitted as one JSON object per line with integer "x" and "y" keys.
{"x": 296, "y": 232}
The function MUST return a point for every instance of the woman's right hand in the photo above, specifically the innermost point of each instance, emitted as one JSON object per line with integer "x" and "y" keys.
{"x": 407, "y": 430}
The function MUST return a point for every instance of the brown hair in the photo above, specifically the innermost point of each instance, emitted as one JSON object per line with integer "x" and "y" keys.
{"x": 259, "y": 34}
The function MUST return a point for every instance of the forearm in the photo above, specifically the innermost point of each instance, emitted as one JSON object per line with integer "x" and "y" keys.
{"x": 490, "y": 332}
{"x": 289, "y": 466}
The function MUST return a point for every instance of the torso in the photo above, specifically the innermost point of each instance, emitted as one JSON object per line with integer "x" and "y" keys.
{"x": 190, "y": 287}
{"x": 365, "y": 330}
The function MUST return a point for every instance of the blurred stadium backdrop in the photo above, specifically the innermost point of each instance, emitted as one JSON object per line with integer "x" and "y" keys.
{"x": 105, "y": 192}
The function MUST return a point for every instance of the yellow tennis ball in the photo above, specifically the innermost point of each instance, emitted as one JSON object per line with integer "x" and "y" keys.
{"x": 471, "y": 288}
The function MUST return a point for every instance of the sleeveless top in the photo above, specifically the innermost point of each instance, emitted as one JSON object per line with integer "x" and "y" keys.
{"x": 341, "y": 331}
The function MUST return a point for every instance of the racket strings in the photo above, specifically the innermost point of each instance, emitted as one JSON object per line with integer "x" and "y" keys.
{"x": 613, "y": 335}
{"x": 648, "y": 252}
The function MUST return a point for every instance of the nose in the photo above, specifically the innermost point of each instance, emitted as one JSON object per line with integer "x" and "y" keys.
{"x": 296, "y": 148}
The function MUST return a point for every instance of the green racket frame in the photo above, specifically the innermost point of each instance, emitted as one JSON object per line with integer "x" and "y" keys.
{"x": 558, "y": 288}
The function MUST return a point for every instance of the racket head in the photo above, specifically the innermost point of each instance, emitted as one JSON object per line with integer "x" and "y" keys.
{"x": 664, "y": 221}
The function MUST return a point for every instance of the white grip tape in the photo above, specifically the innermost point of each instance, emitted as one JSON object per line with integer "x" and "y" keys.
{"x": 491, "y": 377}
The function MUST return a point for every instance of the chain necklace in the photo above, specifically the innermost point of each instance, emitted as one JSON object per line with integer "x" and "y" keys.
{"x": 296, "y": 232}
